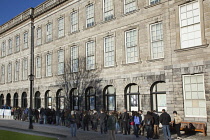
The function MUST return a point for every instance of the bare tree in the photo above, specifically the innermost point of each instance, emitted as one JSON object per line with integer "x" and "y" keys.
{"x": 76, "y": 79}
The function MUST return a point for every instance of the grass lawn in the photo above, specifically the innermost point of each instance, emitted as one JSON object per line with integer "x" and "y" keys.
{"x": 9, "y": 135}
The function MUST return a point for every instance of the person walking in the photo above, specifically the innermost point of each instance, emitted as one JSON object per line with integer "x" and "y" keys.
{"x": 148, "y": 122}
{"x": 156, "y": 124}
{"x": 111, "y": 126}
{"x": 73, "y": 125}
{"x": 141, "y": 132}
{"x": 125, "y": 120}
{"x": 137, "y": 122}
{"x": 103, "y": 120}
{"x": 177, "y": 124}
{"x": 165, "y": 119}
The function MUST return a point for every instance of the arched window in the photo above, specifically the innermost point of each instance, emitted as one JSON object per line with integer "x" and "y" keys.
{"x": 48, "y": 100}
{"x": 37, "y": 100}
{"x": 1, "y": 100}
{"x": 24, "y": 100}
{"x": 158, "y": 96}
{"x": 132, "y": 97}
{"x": 15, "y": 100}
{"x": 74, "y": 95}
{"x": 8, "y": 100}
{"x": 90, "y": 98}
{"x": 110, "y": 98}
{"x": 60, "y": 99}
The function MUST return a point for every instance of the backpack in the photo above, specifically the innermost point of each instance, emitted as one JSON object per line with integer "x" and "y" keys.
{"x": 148, "y": 121}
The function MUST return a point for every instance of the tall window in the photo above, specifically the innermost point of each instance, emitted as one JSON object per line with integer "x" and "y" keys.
{"x": 131, "y": 46}
{"x": 194, "y": 95}
{"x": 25, "y": 40}
{"x": 153, "y": 1}
{"x": 49, "y": 65}
{"x": 9, "y": 71}
{"x": 60, "y": 27}
{"x": 17, "y": 69}
{"x": 10, "y": 46}
{"x": 110, "y": 98}
{"x": 130, "y": 6}
{"x": 25, "y": 69}
{"x": 132, "y": 97}
{"x": 48, "y": 100}
{"x": 17, "y": 43}
{"x": 2, "y": 74}
{"x": 60, "y": 62}
{"x": 90, "y": 99}
{"x": 74, "y": 21}
{"x": 39, "y": 37}
{"x": 157, "y": 41}
{"x": 108, "y": 10}
{"x": 90, "y": 55}
{"x": 109, "y": 53}
{"x": 38, "y": 67}
{"x": 3, "y": 49}
{"x": 75, "y": 99}
{"x": 90, "y": 15}
{"x": 49, "y": 32}
{"x": 74, "y": 59}
{"x": 190, "y": 30}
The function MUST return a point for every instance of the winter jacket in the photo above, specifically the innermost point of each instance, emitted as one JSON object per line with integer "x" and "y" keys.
{"x": 165, "y": 118}
{"x": 148, "y": 120}
{"x": 111, "y": 123}
{"x": 177, "y": 119}
{"x": 103, "y": 117}
{"x": 156, "y": 119}
{"x": 125, "y": 117}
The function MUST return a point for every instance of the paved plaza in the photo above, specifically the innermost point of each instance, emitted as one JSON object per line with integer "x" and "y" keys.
{"x": 63, "y": 133}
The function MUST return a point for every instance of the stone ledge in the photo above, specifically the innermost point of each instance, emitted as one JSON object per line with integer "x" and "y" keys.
{"x": 192, "y": 48}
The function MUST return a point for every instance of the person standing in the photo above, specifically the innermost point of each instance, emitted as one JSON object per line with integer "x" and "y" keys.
{"x": 141, "y": 132}
{"x": 73, "y": 125}
{"x": 58, "y": 114}
{"x": 95, "y": 120}
{"x": 177, "y": 124}
{"x": 111, "y": 126}
{"x": 103, "y": 120}
{"x": 137, "y": 122}
{"x": 148, "y": 122}
{"x": 165, "y": 119}
{"x": 156, "y": 125}
{"x": 125, "y": 120}
{"x": 85, "y": 121}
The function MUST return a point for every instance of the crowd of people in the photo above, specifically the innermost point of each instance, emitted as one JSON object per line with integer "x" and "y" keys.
{"x": 111, "y": 123}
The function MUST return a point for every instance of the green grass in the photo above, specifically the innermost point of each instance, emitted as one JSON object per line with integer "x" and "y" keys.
{"x": 9, "y": 135}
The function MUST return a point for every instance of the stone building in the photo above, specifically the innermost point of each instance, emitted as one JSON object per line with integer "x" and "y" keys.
{"x": 153, "y": 55}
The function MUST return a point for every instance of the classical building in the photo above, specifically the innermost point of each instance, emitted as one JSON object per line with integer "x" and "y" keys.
{"x": 153, "y": 55}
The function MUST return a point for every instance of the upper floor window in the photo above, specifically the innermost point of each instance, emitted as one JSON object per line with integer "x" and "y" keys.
{"x": 3, "y": 49}
{"x": 90, "y": 15}
{"x": 9, "y": 71}
{"x": 129, "y": 6}
{"x": 153, "y": 1}
{"x": 38, "y": 67}
{"x": 49, "y": 65}
{"x": 39, "y": 37}
{"x": 17, "y": 43}
{"x": 74, "y": 21}
{"x": 60, "y": 27}
{"x": 2, "y": 74}
{"x": 74, "y": 59}
{"x": 10, "y": 46}
{"x": 190, "y": 30}
{"x": 131, "y": 46}
{"x": 109, "y": 53}
{"x": 17, "y": 69}
{"x": 25, "y": 69}
{"x": 25, "y": 40}
{"x": 157, "y": 50}
{"x": 49, "y": 32}
{"x": 60, "y": 62}
{"x": 90, "y": 55}
{"x": 108, "y": 10}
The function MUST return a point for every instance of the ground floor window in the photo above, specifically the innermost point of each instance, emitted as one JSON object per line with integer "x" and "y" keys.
{"x": 90, "y": 98}
{"x": 60, "y": 99}
{"x": 37, "y": 100}
{"x": 132, "y": 97}
{"x": 75, "y": 99}
{"x": 48, "y": 100}
{"x": 158, "y": 96}
{"x": 15, "y": 100}
{"x": 194, "y": 95}
{"x": 24, "y": 100}
{"x": 8, "y": 100}
{"x": 1, "y": 100}
{"x": 110, "y": 98}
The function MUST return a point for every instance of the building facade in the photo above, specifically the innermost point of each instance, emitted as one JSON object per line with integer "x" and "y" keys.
{"x": 153, "y": 55}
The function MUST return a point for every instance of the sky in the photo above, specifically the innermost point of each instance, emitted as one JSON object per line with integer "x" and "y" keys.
{"x": 11, "y": 8}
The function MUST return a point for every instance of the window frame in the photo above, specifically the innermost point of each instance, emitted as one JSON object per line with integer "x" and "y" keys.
{"x": 61, "y": 63}
{"x": 48, "y": 65}
{"x": 113, "y": 41}
{"x": 133, "y": 1}
{"x": 38, "y": 67}
{"x": 25, "y": 40}
{"x": 74, "y": 22}
{"x": 90, "y": 66}
{"x": 88, "y": 25}
{"x": 74, "y": 58}
{"x": 39, "y": 36}
{"x": 61, "y": 27}
{"x": 49, "y": 32}
{"x": 111, "y": 16}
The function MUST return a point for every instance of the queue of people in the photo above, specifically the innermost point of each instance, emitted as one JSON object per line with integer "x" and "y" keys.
{"x": 113, "y": 122}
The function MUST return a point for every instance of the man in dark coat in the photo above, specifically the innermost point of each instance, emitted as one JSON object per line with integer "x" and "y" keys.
{"x": 103, "y": 120}
{"x": 156, "y": 124}
{"x": 95, "y": 120}
{"x": 148, "y": 122}
{"x": 125, "y": 120}
{"x": 165, "y": 119}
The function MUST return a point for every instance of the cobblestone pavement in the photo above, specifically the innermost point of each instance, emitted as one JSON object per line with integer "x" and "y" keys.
{"x": 63, "y": 133}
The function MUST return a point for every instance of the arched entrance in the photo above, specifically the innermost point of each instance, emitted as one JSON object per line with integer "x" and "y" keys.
{"x": 1, "y": 100}
{"x": 74, "y": 99}
{"x": 60, "y": 99}
{"x": 90, "y": 98}
{"x": 15, "y": 104}
{"x": 109, "y": 98}
{"x": 24, "y": 100}
{"x": 158, "y": 96}
{"x": 8, "y": 100}
{"x": 37, "y": 100}
{"x": 48, "y": 100}
{"x": 132, "y": 101}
